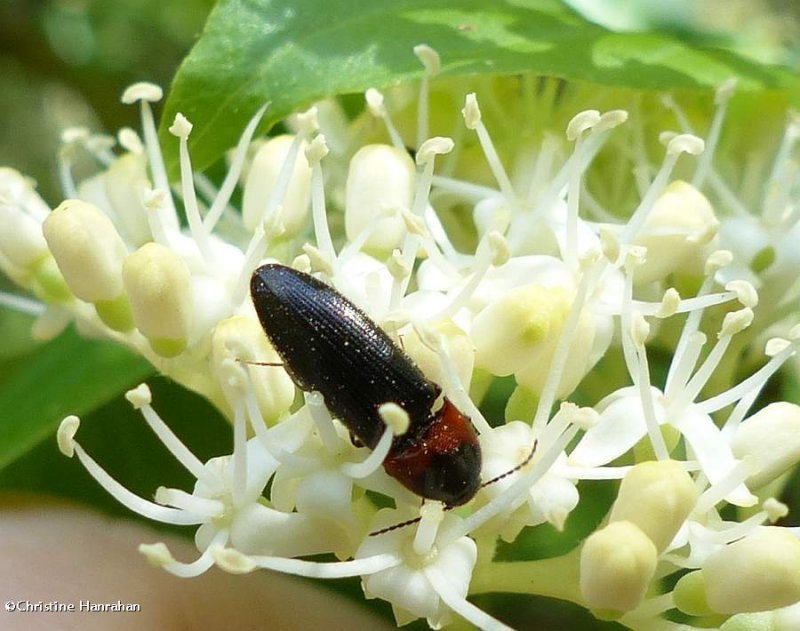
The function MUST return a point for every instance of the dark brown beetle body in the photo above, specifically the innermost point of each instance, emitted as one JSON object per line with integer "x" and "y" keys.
{"x": 330, "y": 346}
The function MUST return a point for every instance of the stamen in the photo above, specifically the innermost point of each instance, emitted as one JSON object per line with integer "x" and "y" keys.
{"x": 431, "y": 515}
{"x": 154, "y": 201}
{"x": 753, "y": 383}
{"x": 561, "y": 352}
{"x": 472, "y": 119}
{"x": 648, "y": 405}
{"x": 684, "y": 363}
{"x": 579, "y": 160}
{"x": 596, "y": 473}
{"x": 452, "y": 382}
{"x": 543, "y": 167}
{"x": 182, "y": 500}
{"x": 341, "y": 569}
{"x": 680, "y": 144}
{"x": 373, "y": 462}
{"x": 482, "y": 262}
{"x": 159, "y": 555}
{"x": 146, "y": 93}
{"x": 232, "y": 177}
{"x": 724, "y": 93}
{"x": 139, "y": 398}
{"x": 773, "y": 210}
{"x": 273, "y": 440}
{"x": 129, "y": 140}
{"x": 511, "y": 495}
{"x": 575, "y": 129}
{"x": 726, "y": 486}
{"x": 21, "y": 304}
{"x": 468, "y": 191}
{"x": 68, "y": 445}
{"x": 430, "y": 59}
{"x": 425, "y": 158}
{"x": 323, "y": 422}
{"x": 68, "y": 185}
{"x": 239, "y": 456}
{"x": 680, "y": 368}
{"x": 632, "y": 259}
{"x": 461, "y": 606}
{"x": 315, "y": 151}
{"x": 182, "y": 128}
{"x": 376, "y": 107}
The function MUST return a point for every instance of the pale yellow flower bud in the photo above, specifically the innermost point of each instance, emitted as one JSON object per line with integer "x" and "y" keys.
{"x": 262, "y": 180}
{"x": 617, "y": 564}
{"x": 159, "y": 285}
{"x": 657, "y": 496}
{"x": 237, "y": 340}
{"x": 677, "y": 232}
{"x": 21, "y": 240}
{"x": 759, "y": 572}
{"x": 125, "y": 183}
{"x": 380, "y": 185}
{"x": 90, "y": 253}
{"x": 772, "y": 437}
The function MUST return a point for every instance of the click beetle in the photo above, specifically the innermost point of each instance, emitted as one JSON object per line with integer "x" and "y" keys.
{"x": 329, "y": 345}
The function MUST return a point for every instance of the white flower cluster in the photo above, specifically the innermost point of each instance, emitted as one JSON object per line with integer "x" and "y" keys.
{"x": 554, "y": 283}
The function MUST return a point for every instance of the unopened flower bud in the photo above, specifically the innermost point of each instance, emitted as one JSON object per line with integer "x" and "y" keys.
{"x": 90, "y": 254}
{"x": 617, "y": 564}
{"x": 676, "y": 234}
{"x": 657, "y": 496}
{"x": 22, "y": 246}
{"x": 772, "y": 437}
{"x": 690, "y": 594}
{"x": 125, "y": 183}
{"x": 262, "y": 180}
{"x": 239, "y": 339}
{"x": 159, "y": 285}
{"x": 21, "y": 240}
{"x": 380, "y": 184}
{"x": 759, "y": 572}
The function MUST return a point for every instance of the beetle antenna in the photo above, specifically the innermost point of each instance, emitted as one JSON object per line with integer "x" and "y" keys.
{"x": 402, "y": 524}
{"x": 416, "y": 520}
{"x": 514, "y": 470}
{"x": 252, "y": 363}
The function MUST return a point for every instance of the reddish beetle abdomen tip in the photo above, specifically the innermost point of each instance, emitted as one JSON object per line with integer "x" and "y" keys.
{"x": 445, "y": 464}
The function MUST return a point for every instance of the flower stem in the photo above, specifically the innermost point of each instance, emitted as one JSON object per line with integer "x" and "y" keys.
{"x": 557, "y": 577}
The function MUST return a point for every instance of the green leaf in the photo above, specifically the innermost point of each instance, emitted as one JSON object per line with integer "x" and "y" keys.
{"x": 69, "y": 375}
{"x": 294, "y": 52}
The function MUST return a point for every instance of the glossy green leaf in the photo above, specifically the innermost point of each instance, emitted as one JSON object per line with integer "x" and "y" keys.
{"x": 293, "y": 52}
{"x": 69, "y": 375}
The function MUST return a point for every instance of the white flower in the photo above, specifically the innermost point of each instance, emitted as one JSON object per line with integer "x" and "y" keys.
{"x": 546, "y": 286}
